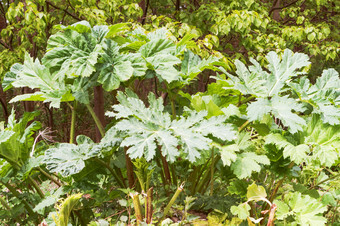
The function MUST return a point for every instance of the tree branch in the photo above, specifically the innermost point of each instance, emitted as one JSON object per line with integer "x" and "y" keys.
{"x": 67, "y": 12}
{"x": 5, "y": 45}
{"x": 282, "y": 7}
{"x": 145, "y": 11}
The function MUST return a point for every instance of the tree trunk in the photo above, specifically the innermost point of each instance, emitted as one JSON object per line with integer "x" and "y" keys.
{"x": 99, "y": 108}
{"x": 4, "y": 104}
{"x": 276, "y": 12}
{"x": 49, "y": 113}
{"x": 28, "y": 105}
{"x": 142, "y": 6}
{"x": 178, "y": 4}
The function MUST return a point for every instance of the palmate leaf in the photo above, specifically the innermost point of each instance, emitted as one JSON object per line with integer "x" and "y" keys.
{"x": 325, "y": 139}
{"x": 323, "y": 96}
{"x": 282, "y": 70}
{"x": 281, "y": 108}
{"x": 116, "y": 67}
{"x": 68, "y": 159}
{"x": 267, "y": 87}
{"x": 36, "y": 76}
{"x": 248, "y": 81}
{"x": 10, "y": 76}
{"x": 247, "y": 163}
{"x": 228, "y": 152}
{"x": 257, "y": 82}
{"x": 147, "y": 129}
{"x": 72, "y": 53}
{"x": 318, "y": 143}
{"x": 298, "y": 153}
{"x": 304, "y": 209}
{"x": 159, "y": 55}
{"x": 192, "y": 65}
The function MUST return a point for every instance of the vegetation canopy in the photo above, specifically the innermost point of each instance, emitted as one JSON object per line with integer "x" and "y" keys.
{"x": 169, "y": 113}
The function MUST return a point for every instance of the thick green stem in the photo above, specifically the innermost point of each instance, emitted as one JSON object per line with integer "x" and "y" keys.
{"x": 96, "y": 120}
{"x": 4, "y": 203}
{"x": 162, "y": 174}
{"x": 73, "y": 121}
{"x": 278, "y": 185}
{"x": 138, "y": 209}
{"x": 173, "y": 109}
{"x": 244, "y": 101}
{"x": 206, "y": 177}
{"x": 212, "y": 167}
{"x": 49, "y": 177}
{"x": 149, "y": 208}
{"x": 172, "y": 201}
{"x": 193, "y": 178}
{"x": 17, "y": 195}
{"x": 244, "y": 126}
{"x": 114, "y": 174}
{"x": 173, "y": 173}
{"x": 119, "y": 173}
{"x": 36, "y": 187}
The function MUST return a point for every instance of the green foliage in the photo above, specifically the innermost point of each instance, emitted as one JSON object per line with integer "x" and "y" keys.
{"x": 147, "y": 128}
{"x": 323, "y": 96}
{"x": 286, "y": 148}
{"x": 36, "y": 76}
{"x": 68, "y": 159}
{"x": 17, "y": 139}
{"x": 248, "y": 162}
{"x": 317, "y": 144}
{"x": 65, "y": 208}
{"x": 304, "y": 209}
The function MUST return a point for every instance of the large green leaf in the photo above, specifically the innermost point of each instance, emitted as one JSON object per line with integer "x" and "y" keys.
{"x": 36, "y": 76}
{"x": 68, "y": 159}
{"x": 192, "y": 65}
{"x": 284, "y": 69}
{"x": 323, "y": 96}
{"x": 260, "y": 83}
{"x": 74, "y": 54}
{"x": 10, "y": 76}
{"x": 304, "y": 209}
{"x": 228, "y": 152}
{"x": 248, "y": 162}
{"x": 298, "y": 153}
{"x": 317, "y": 143}
{"x": 159, "y": 54}
{"x": 280, "y": 107}
{"x": 115, "y": 68}
{"x": 147, "y": 128}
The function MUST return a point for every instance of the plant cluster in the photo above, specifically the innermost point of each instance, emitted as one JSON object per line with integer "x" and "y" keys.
{"x": 262, "y": 138}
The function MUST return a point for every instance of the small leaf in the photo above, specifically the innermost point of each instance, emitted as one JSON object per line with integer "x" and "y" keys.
{"x": 242, "y": 210}
{"x": 256, "y": 193}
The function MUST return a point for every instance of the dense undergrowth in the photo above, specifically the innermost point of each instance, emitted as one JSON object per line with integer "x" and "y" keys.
{"x": 260, "y": 146}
